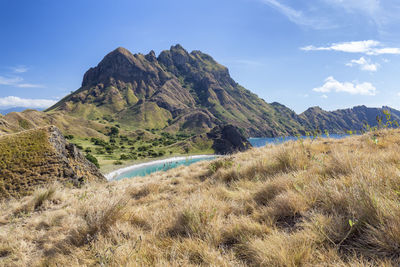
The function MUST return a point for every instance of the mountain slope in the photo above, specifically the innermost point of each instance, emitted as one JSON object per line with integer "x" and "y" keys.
{"x": 339, "y": 121}
{"x": 178, "y": 91}
{"x": 29, "y": 119}
{"x": 39, "y": 157}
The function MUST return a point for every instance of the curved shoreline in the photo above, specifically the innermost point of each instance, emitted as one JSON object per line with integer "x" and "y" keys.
{"x": 112, "y": 175}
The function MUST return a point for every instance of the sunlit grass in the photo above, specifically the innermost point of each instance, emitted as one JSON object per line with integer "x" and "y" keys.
{"x": 303, "y": 203}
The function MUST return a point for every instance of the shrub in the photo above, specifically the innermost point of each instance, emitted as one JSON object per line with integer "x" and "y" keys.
{"x": 93, "y": 160}
{"x": 124, "y": 157}
{"x": 69, "y": 137}
{"x": 114, "y": 131}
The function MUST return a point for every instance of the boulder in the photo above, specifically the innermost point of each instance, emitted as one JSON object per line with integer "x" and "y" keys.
{"x": 228, "y": 139}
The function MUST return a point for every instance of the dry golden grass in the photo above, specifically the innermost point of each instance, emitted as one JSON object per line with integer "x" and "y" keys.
{"x": 321, "y": 203}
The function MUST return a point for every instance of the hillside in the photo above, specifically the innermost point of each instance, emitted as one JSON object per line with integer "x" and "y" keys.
{"x": 40, "y": 157}
{"x": 30, "y": 119}
{"x": 342, "y": 120}
{"x": 177, "y": 91}
{"x": 191, "y": 93}
{"x": 304, "y": 203}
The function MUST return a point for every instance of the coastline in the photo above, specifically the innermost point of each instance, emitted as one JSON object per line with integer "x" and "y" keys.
{"x": 113, "y": 174}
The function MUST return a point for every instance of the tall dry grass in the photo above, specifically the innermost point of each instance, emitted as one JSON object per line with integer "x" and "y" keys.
{"x": 321, "y": 203}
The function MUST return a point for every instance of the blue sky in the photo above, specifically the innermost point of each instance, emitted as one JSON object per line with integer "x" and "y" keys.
{"x": 301, "y": 53}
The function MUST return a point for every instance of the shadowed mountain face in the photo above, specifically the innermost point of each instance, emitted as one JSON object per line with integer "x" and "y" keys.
{"x": 180, "y": 91}
{"x": 176, "y": 91}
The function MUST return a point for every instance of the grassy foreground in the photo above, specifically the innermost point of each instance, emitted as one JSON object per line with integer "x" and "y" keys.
{"x": 321, "y": 203}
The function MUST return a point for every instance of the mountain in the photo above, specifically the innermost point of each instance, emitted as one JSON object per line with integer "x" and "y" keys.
{"x": 38, "y": 157}
{"x": 339, "y": 121}
{"x": 177, "y": 91}
{"x": 15, "y": 109}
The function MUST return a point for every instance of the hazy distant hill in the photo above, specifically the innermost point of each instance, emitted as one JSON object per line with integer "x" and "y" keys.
{"x": 16, "y": 109}
{"x": 339, "y": 121}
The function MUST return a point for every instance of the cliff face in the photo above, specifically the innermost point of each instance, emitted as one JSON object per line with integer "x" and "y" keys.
{"x": 38, "y": 157}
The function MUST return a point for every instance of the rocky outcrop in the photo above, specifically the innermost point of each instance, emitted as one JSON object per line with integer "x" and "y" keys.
{"x": 38, "y": 157}
{"x": 227, "y": 140}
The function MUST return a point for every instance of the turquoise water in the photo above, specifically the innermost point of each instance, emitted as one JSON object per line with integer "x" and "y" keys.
{"x": 163, "y": 165}
{"x": 262, "y": 141}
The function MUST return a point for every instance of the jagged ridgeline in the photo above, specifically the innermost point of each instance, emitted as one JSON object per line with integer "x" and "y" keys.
{"x": 176, "y": 91}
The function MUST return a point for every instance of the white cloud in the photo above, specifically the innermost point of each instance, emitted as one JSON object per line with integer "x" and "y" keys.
{"x": 298, "y": 17}
{"x": 332, "y": 85}
{"x": 17, "y": 82}
{"x": 14, "y": 101}
{"x": 371, "y": 7}
{"x": 364, "y": 64}
{"x": 20, "y": 69}
{"x": 324, "y": 96}
{"x": 29, "y": 85}
{"x": 10, "y": 81}
{"x": 369, "y": 47}
{"x": 328, "y": 14}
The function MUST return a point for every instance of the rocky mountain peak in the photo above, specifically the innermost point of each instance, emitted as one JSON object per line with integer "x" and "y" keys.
{"x": 122, "y": 50}
{"x": 151, "y": 56}
{"x": 118, "y": 56}
{"x": 314, "y": 109}
{"x": 121, "y": 65}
